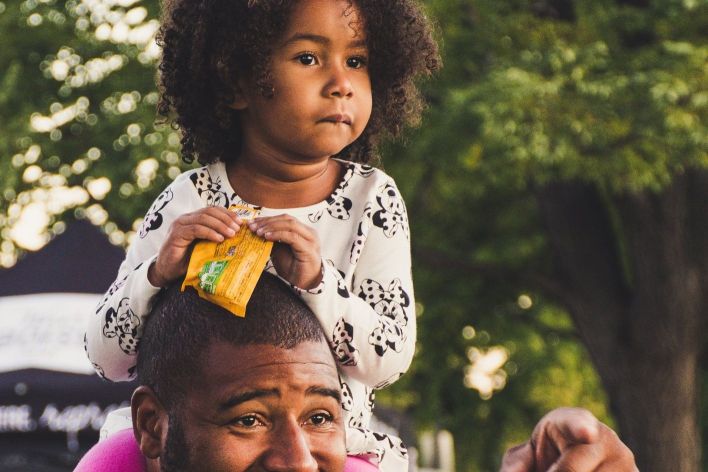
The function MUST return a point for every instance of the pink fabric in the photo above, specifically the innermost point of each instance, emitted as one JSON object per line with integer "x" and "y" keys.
{"x": 357, "y": 464}
{"x": 118, "y": 453}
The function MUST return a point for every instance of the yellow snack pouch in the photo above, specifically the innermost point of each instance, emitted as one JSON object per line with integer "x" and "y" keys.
{"x": 226, "y": 273}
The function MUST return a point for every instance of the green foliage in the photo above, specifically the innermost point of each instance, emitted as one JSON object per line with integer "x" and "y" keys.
{"x": 78, "y": 105}
{"x": 532, "y": 92}
{"x": 616, "y": 96}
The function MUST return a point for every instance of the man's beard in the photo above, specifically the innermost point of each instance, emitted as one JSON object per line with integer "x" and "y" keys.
{"x": 176, "y": 455}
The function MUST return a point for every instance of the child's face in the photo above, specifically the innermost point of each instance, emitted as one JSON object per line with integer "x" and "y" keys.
{"x": 322, "y": 91}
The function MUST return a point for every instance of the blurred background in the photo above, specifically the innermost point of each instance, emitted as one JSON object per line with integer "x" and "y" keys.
{"x": 557, "y": 191}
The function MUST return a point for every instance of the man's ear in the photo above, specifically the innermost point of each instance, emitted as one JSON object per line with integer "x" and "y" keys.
{"x": 150, "y": 422}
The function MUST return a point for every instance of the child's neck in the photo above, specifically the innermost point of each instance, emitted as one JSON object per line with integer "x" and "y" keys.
{"x": 273, "y": 183}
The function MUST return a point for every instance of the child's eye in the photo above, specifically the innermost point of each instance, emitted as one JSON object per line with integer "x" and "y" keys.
{"x": 357, "y": 62}
{"x": 307, "y": 59}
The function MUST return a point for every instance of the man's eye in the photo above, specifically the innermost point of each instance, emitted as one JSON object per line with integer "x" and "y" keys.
{"x": 356, "y": 62}
{"x": 321, "y": 419}
{"x": 249, "y": 421}
{"x": 307, "y": 59}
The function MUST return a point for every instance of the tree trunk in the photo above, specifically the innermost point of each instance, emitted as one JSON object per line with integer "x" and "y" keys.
{"x": 655, "y": 404}
{"x": 636, "y": 291}
{"x": 653, "y": 396}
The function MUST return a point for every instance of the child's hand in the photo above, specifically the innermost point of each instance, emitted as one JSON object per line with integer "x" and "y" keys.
{"x": 296, "y": 252}
{"x": 211, "y": 223}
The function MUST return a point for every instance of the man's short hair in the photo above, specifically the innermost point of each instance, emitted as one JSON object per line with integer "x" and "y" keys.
{"x": 181, "y": 327}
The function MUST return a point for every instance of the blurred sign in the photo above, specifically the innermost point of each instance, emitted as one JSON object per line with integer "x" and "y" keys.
{"x": 47, "y": 383}
{"x": 45, "y": 331}
{"x": 52, "y": 404}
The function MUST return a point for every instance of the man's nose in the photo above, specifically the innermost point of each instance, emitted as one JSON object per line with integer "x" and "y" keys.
{"x": 339, "y": 84}
{"x": 289, "y": 450}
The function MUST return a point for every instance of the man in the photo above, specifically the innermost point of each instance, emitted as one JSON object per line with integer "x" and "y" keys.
{"x": 221, "y": 393}
{"x": 261, "y": 393}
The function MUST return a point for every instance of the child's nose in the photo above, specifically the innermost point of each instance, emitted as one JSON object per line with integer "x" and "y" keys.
{"x": 339, "y": 84}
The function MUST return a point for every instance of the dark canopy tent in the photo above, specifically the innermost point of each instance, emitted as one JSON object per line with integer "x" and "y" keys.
{"x": 51, "y": 404}
{"x": 80, "y": 260}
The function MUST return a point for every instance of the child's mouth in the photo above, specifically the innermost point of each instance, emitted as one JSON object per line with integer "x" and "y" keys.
{"x": 338, "y": 119}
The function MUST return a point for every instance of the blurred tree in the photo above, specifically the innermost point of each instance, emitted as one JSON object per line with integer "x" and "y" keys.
{"x": 565, "y": 157}
{"x": 76, "y": 86}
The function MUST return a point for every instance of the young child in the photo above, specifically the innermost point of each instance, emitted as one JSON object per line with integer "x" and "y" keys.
{"x": 283, "y": 103}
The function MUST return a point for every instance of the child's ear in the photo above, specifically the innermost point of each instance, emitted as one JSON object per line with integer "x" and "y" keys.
{"x": 240, "y": 101}
{"x": 238, "y": 86}
{"x": 150, "y": 422}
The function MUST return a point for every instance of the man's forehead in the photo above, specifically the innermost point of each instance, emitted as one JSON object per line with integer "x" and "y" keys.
{"x": 267, "y": 354}
{"x": 308, "y": 362}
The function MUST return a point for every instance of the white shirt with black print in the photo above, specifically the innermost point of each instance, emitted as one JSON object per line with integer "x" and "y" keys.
{"x": 364, "y": 302}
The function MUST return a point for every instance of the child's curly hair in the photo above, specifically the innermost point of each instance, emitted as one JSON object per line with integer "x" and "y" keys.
{"x": 208, "y": 43}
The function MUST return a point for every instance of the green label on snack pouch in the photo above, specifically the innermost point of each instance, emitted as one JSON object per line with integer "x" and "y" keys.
{"x": 210, "y": 274}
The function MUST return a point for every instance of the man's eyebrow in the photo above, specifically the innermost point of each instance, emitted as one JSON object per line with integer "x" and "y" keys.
{"x": 237, "y": 399}
{"x": 316, "y": 38}
{"x": 326, "y": 392}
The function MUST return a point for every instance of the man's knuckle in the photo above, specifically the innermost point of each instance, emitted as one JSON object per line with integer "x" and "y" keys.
{"x": 628, "y": 458}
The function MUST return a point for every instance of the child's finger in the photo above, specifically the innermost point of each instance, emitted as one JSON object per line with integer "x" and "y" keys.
{"x": 297, "y": 235}
{"x": 210, "y": 221}
{"x": 292, "y": 239}
{"x": 302, "y": 231}
{"x": 268, "y": 221}
{"x": 300, "y": 242}
{"x": 265, "y": 219}
{"x": 281, "y": 223}
{"x": 196, "y": 231}
{"x": 228, "y": 217}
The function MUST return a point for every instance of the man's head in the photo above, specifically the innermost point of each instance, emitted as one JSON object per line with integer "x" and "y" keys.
{"x": 222, "y": 393}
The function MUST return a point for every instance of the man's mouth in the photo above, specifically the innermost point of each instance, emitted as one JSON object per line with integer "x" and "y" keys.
{"x": 338, "y": 118}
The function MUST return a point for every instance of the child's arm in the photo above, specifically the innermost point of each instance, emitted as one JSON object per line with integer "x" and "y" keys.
{"x": 113, "y": 330}
{"x": 371, "y": 324}
{"x": 166, "y": 234}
